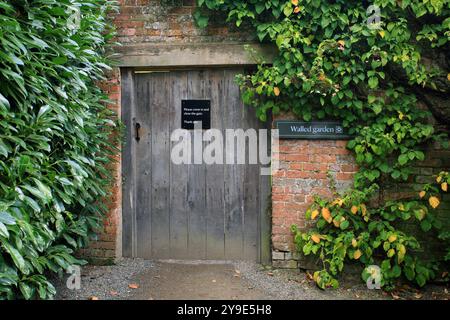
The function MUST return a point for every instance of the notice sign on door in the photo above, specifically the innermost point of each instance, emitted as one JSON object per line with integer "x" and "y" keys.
{"x": 194, "y": 111}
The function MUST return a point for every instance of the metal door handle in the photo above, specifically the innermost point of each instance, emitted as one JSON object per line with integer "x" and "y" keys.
{"x": 138, "y": 131}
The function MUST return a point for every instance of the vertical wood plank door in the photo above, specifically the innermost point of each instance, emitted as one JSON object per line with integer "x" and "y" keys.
{"x": 190, "y": 211}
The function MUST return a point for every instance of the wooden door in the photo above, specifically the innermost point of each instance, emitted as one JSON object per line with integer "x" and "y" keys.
{"x": 188, "y": 211}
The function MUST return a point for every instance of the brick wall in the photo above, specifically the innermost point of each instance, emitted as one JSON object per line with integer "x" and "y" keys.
{"x": 307, "y": 168}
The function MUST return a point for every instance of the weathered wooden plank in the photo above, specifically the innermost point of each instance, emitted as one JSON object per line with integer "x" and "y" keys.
{"x": 196, "y": 191}
{"x": 233, "y": 173}
{"x": 143, "y": 154}
{"x": 178, "y": 173}
{"x": 159, "y": 89}
{"x": 251, "y": 190}
{"x": 215, "y": 173}
{"x": 128, "y": 212}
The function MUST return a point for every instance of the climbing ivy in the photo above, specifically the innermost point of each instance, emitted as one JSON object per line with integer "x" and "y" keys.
{"x": 361, "y": 62}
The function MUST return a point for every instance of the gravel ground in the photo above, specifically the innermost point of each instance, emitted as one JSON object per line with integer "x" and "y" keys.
{"x": 137, "y": 279}
{"x": 105, "y": 282}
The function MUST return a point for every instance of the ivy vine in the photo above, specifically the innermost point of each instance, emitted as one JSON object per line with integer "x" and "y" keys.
{"x": 361, "y": 62}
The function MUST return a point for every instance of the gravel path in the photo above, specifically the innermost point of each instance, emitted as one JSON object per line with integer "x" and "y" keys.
{"x": 105, "y": 282}
{"x": 137, "y": 279}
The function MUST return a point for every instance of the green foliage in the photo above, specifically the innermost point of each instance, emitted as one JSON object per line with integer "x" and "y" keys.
{"x": 335, "y": 62}
{"x": 54, "y": 137}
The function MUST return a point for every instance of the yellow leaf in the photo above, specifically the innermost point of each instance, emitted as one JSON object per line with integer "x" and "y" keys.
{"x": 402, "y": 249}
{"x": 314, "y": 214}
{"x": 422, "y": 194}
{"x": 391, "y": 253}
{"x": 434, "y": 202}
{"x": 295, "y": 2}
{"x": 276, "y": 91}
{"x": 341, "y": 43}
{"x": 326, "y": 214}
{"x": 315, "y": 238}
{"x": 444, "y": 186}
{"x": 336, "y": 223}
{"x": 357, "y": 254}
{"x": 439, "y": 179}
{"x": 354, "y": 209}
{"x": 448, "y": 76}
{"x": 401, "y": 115}
{"x": 339, "y": 202}
{"x": 297, "y": 10}
{"x": 354, "y": 243}
{"x": 322, "y": 77}
{"x": 382, "y": 33}
{"x": 363, "y": 209}
{"x": 392, "y": 238}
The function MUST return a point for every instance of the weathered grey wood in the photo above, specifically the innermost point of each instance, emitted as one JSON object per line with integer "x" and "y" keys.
{"x": 251, "y": 193}
{"x": 196, "y": 191}
{"x": 265, "y": 213}
{"x": 193, "y": 211}
{"x": 143, "y": 154}
{"x": 215, "y": 242}
{"x": 160, "y": 217}
{"x": 128, "y": 213}
{"x": 178, "y": 173}
{"x": 233, "y": 173}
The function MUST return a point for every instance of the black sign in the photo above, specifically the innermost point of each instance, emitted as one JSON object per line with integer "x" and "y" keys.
{"x": 194, "y": 111}
{"x": 326, "y": 130}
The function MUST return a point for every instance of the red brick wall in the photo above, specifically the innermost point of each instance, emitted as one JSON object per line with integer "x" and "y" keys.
{"x": 307, "y": 168}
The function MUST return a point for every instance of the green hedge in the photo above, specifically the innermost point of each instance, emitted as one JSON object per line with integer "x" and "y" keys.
{"x": 55, "y": 141}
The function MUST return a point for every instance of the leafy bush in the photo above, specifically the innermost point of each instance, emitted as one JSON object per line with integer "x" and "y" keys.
{"x": 369, "y": 64}
{"x": 54, "y": 137}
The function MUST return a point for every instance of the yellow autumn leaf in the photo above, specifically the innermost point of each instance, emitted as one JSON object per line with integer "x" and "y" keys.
{"x": 422, "y": 194}
{"x": 314, "y": 214}
{"x": 341, "y": 43}
{"x": 448, "y": 76}
{"x": 339, "y": 202}
{"x": 401, "y": 253}
{"x": 392, "y": 238}
{"x": 315, "y": 238}
{"x": 357, "y": 254}
{"x": 363, "y": 209}
{"x": 354, "y": 243}
{"x": 294, "y": 2}
{"x": 444, "y": 186}
{"x": 337, "y": 223}
{"x": 354, "y": 209}
{"x": 276, "y": 91}
{"x": 401, "y": 115}
{"x": 439, "y": 179}
{"x": 297, "y": 10}
{"x": 434, "y": 202}
{"x": 391, "y": 253}
{"x": 326, "y": 214}
{"x": 382, "y": 33}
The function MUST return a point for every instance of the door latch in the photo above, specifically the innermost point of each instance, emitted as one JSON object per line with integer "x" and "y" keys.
{"x": 138, "y": 131}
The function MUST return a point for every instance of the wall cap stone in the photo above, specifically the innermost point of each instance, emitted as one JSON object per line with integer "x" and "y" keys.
{"x": 191, "y": 55}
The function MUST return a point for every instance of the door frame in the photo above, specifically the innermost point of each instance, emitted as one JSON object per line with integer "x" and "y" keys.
{"x": 129, "y": 165}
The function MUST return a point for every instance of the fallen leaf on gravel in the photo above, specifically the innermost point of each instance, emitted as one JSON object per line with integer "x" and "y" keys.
{"x": 214, "y": 281}
{"x": 418, "y": 296}
{"x": 114, "y": 293}
{"x": 133, "y": 286}
{"x": 309, "y": 276}
{"x": 270, "y": 274}
{"x": 93, "y": 298}
{"x": 395, "y": 297}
